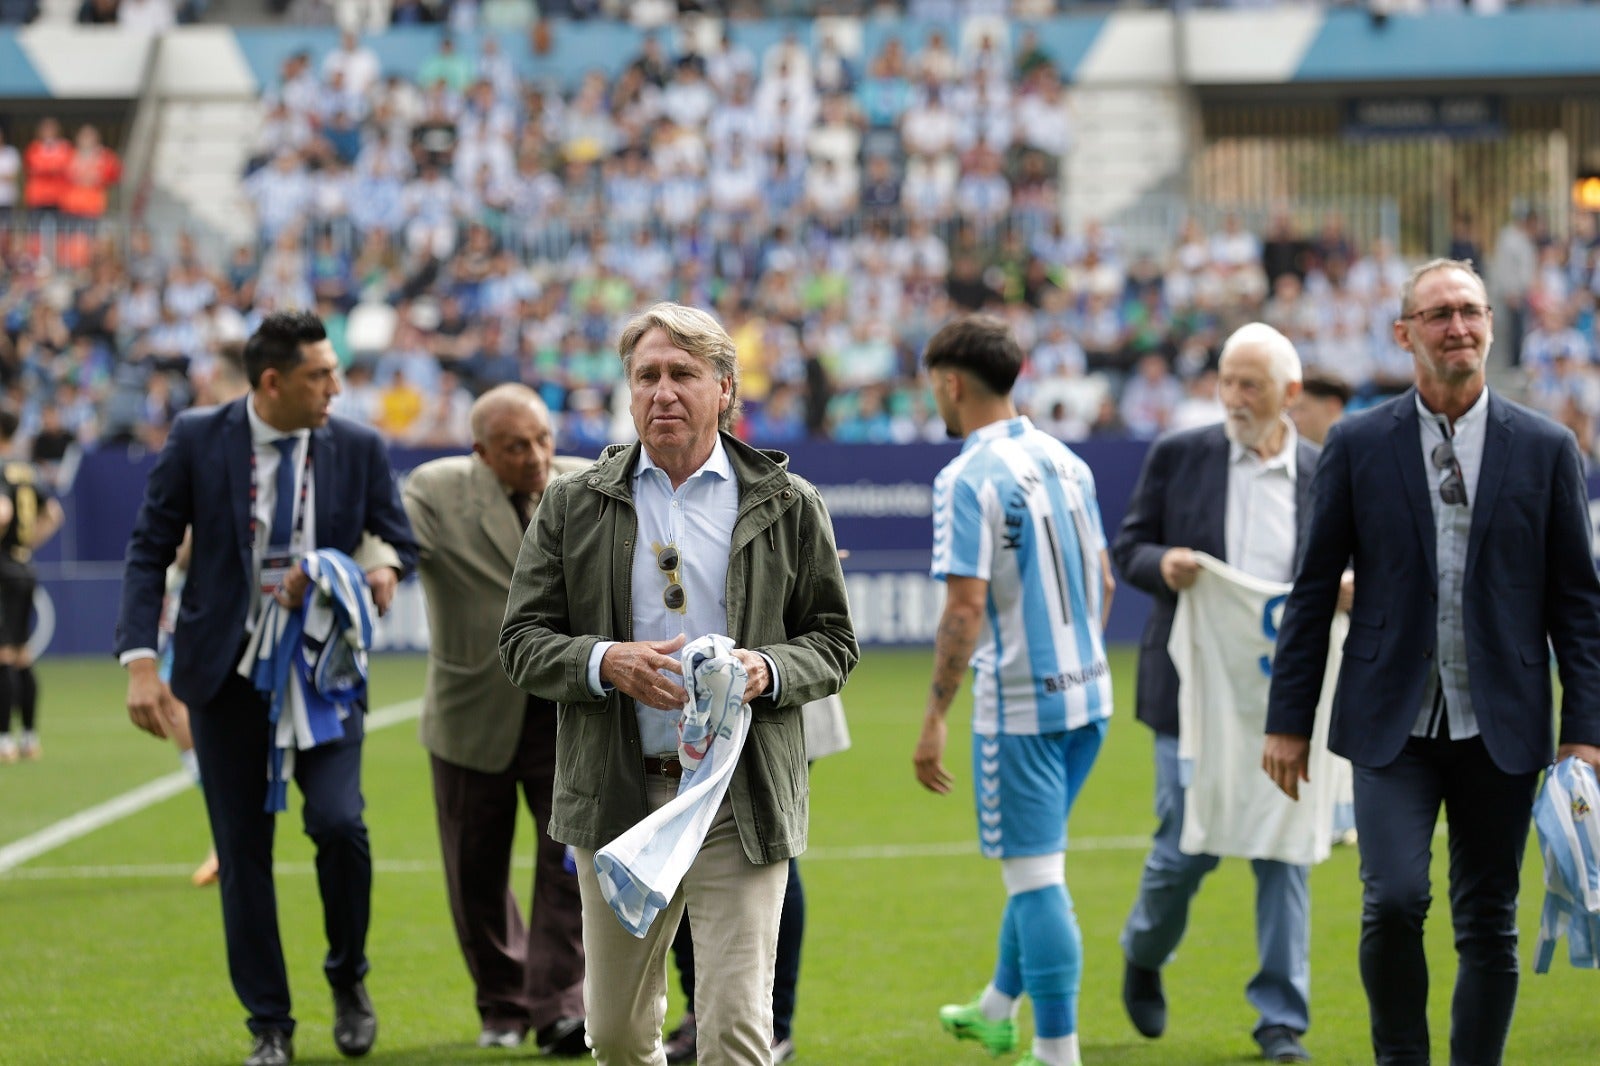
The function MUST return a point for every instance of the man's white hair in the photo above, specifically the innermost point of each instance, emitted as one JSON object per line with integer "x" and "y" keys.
{"x": 1283, "y": 361}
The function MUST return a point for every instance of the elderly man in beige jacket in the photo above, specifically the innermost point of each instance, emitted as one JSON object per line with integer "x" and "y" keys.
{"x": 485, "y": 737}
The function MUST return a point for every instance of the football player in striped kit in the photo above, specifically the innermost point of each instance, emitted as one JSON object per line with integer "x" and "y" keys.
{"x": 1019, "y": 544}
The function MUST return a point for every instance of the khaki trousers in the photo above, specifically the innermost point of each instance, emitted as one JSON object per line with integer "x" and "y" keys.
{"x": 734, "y": 906}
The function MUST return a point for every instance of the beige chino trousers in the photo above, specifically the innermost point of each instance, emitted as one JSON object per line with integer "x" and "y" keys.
{"x": 734, "y": 906}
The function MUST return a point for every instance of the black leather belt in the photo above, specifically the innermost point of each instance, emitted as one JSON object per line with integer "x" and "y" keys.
{"x": 667, "y": 767}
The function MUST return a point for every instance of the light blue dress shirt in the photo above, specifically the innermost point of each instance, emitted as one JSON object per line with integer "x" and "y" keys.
{"x": 1452, "y": 528}
{"x": 698, "y": 518}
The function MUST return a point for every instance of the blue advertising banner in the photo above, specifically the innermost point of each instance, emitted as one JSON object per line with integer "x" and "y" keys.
{"x": 880, "y": 497}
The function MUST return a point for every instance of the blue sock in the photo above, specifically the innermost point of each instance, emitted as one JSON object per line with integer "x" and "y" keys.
{"x": 1052, "y": 957}
{"x": 1008, "y": 970}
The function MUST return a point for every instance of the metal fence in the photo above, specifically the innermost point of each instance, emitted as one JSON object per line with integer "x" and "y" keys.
{"x": 1295, "y": 153}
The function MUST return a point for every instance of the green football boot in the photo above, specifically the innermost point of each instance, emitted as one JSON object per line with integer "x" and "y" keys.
{"x": 966, "y": 1021}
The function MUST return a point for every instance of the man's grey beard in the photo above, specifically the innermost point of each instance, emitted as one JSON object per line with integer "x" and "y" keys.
{"x": 1232, "y": 431}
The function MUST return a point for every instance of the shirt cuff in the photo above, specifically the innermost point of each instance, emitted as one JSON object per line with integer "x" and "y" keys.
{"x": 596, "y": 687}
{"x": 137, "y": 653}
{"x": 772, "y": 670}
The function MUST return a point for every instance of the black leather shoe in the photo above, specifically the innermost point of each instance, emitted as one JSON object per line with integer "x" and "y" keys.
{"x": 680, "y": 1044}
{"x": 562, "y": 1038}
{"x": 1145, "y": 1002}
{"x": 355, "y": 1025}
{"x": 1279, "y": 1043}
{"x": 272, "y": 1048}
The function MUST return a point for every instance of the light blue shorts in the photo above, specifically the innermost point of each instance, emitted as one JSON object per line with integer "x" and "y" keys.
{"x": 1026, "y": 785}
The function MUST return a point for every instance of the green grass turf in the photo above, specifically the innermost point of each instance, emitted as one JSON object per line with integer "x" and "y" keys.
{"x": 103, "y": 963}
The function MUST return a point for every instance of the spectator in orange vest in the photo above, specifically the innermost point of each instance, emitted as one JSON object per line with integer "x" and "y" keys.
{"x": 93, "y": 170}
{"x": 45, "y": 166}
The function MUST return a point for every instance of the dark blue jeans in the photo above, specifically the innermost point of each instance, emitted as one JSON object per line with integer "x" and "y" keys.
{"x": 1397, "y": 807}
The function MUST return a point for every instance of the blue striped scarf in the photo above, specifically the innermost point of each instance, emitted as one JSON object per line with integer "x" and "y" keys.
{"x": 1567, "y": 815}
{"x": 311, "y": 663}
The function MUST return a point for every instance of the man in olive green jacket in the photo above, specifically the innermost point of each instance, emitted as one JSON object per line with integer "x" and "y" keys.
{"x": 585, "y": 627}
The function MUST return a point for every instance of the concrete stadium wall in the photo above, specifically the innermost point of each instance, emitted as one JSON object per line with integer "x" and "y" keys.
{"x": 1212, "y": 47}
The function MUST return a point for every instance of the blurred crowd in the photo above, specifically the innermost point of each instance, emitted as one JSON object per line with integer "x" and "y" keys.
{"x": 156, "y": 15}
{"x": 468, "y": 228}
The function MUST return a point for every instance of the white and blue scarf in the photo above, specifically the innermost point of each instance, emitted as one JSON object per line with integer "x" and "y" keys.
{"x": 311, "y": 663}
{"x": 640, "y": 870}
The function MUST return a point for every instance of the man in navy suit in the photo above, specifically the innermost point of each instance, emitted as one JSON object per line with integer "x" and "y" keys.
{"x": 1466, "y": 519}
{"x": 1237, "y": 492}
{"x": 263, "y": 480}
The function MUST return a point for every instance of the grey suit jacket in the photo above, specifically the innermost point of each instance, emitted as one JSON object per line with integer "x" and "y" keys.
{"x": 468, "y": 537}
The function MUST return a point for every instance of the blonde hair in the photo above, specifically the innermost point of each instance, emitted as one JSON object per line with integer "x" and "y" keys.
{"x": 691, "y": 330}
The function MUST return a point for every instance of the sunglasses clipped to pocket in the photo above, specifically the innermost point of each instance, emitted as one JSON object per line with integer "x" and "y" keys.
{"x": 669, "y": 563}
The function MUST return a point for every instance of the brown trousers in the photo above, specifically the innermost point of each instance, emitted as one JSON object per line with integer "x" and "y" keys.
{"x": 526, "y": 976}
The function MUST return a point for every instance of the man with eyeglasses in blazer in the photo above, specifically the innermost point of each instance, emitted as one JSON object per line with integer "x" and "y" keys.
{"x": 1466, "y": 520}
{"x": 686, "y": 533}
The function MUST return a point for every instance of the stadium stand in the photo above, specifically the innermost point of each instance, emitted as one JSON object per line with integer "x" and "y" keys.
{"x": 834, "y": 195}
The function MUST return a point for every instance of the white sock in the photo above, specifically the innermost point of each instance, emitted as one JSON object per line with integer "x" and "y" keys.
{"x": 1056, "y": 1050}
{"x": 191, "y": 763}
{"x": 996, "y": 1005}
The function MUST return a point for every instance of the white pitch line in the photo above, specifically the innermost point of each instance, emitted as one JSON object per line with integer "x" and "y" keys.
{"x": 855, "y": 853}
{"x": 147, "y": 795}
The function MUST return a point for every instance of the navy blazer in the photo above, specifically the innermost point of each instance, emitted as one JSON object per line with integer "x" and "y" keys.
{"x": 1181, "y": 501}
{"x": 202, "y": 478}
{"x": 1529, "y": 579}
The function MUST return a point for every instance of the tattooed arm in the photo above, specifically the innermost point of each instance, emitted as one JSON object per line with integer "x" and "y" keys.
{"x": 959, "y": 627}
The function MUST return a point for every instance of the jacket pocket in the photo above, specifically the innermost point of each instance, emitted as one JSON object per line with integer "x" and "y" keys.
{"x": 582, "y": 750}
{"x": 1363, "y": 641}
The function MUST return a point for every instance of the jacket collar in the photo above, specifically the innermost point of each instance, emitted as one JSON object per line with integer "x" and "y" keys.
{"x": 760, "y": 472}
{"x": 496, "y": 515}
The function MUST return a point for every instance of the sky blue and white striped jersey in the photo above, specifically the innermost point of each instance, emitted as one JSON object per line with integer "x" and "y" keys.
{"x": 1567, "y": 815}
{"x": 1017, "y": 508}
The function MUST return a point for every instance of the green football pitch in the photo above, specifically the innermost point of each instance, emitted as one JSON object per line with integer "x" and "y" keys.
{"x": 108, "y": 955}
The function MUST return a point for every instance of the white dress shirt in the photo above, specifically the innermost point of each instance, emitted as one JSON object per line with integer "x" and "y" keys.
{"x": 1259, "y": 526}
{"x": 262, "y": 438}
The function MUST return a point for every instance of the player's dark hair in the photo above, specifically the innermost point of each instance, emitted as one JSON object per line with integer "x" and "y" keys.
{"x": 8, "y": 424}
{"x": 983, "y": 346}
{"x": 1326, "y": 385}
{"x": 278, "y": 341}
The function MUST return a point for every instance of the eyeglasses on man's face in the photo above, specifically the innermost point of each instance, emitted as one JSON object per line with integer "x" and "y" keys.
{"x": 1441, "y": 316}
{"x": 1453, "y": 489}
{"x": 668, "y": 562}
